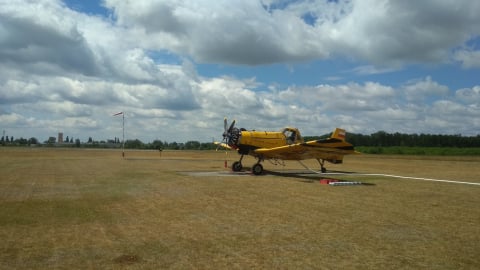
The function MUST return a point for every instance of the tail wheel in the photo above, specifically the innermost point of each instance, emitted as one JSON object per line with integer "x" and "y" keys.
{"x": 257, "y": 169}
{"x": 237, "y": 166}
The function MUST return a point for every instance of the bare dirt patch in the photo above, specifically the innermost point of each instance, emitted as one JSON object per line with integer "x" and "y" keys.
{"x": 126, "y": 259}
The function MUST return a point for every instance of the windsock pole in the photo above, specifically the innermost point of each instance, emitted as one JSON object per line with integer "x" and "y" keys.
{"x": 123, "y": 132}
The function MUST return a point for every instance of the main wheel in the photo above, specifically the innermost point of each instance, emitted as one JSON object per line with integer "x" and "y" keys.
{"x": 237, "y": 166}
{"x": 257, "y": 169}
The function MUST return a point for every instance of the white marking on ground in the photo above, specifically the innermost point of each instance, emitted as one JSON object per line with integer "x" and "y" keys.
{"x": 406, "y": 177}
{"x": 248, "y": 173}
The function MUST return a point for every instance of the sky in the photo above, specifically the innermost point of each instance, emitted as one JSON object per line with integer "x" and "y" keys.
{"x": 177, "y": 68}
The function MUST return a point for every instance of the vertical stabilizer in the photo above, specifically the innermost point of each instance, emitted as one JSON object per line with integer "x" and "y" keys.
{"x": 339, "y": 134}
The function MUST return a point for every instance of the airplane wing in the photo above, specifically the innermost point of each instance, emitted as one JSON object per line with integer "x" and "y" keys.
{"x": 331, "y": 149}
{"x": 224, "y": 145}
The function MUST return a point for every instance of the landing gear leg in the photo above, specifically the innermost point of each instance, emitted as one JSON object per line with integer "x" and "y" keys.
{"x": 322, "y": 163}
{"x": 257, "y": 168}
{"x": 237, "y": 165}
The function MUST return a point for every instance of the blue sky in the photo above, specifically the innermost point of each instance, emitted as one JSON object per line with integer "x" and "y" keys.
{"x": 177, "y": 68}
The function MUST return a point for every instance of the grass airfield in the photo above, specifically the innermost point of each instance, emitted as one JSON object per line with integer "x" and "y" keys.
{"x": 91, "y": 209}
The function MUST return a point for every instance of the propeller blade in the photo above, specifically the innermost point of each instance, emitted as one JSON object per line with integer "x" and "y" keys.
{"x": 225, "y": 124}
{"x": 231, "y": 126}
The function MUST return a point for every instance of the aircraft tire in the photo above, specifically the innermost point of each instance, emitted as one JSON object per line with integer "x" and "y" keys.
{"x": 237, "y": 166}
{"x": 257, "y": 169}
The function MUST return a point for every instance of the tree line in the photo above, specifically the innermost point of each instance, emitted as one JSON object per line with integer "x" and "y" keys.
{"x": 377, "y": 139}
{"x": 115, "y": 143}
{"x": 385, "y": 139}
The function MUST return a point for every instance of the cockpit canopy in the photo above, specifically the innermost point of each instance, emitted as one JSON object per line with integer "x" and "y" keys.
{"x": 292, "y": 135}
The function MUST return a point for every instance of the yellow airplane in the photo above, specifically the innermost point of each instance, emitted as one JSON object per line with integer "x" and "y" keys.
{"x": 287, "y": 144}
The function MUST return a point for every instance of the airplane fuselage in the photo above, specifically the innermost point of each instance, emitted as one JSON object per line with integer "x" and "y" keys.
{"x": 287, "y": 144}
{"x": 262, "y": 139}
{"x": 251, "y": 140}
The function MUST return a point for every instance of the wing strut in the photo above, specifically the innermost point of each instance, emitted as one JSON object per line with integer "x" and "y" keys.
{"x": 321, "y": 161}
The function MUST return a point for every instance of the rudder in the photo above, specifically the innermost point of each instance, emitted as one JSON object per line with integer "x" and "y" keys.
{"x": 339, "y": 133}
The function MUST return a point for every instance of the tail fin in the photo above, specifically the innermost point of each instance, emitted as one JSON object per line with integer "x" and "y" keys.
{"x": 339, "y": 134}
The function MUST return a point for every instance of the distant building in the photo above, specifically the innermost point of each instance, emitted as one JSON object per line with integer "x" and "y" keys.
{"x": 60, "y": 137}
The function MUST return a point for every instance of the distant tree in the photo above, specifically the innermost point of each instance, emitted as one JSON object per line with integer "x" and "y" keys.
{"x": 90, "y": 140}
{"x": 134, "y": 144}
{"x": 21, "y": 141}
{"x": 174, "y": 146}
{"x": 33, "y": 140}
{"x": 77, "y": 142}
{"x": 157, "y": 144}
{"x": 6, "y": 139}
{"x": 193, "y": 145}
{"x": 51, "y": 140}
{"x": 208, "y": 146}
{"x": 71, "y": 140}
{"x": 67, "y": 140}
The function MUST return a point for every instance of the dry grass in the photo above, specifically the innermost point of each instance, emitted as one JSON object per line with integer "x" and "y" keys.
{"x": 63, "y": 209}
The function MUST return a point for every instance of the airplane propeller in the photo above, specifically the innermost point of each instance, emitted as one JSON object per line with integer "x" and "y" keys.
{"x": 230, "y": 135}
{"x": 227, "y": 135}
{"x": 224, "y": 125}
{"x": 227, "y": 132}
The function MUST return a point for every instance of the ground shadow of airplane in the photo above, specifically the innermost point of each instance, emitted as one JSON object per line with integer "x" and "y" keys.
{"x": 312, "y": 177}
